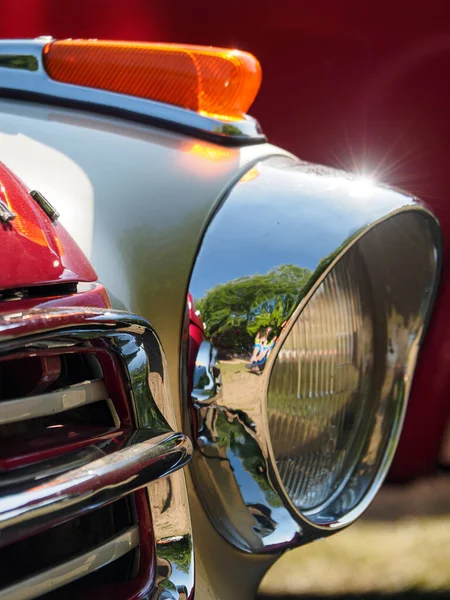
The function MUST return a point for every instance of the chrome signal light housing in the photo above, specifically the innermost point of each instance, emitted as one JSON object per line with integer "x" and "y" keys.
{"x": 315, "y": 289}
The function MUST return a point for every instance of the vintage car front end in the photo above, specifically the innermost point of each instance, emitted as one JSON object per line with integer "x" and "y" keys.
{"x": 86, "y": 423}
{"x": 309, "y": 291}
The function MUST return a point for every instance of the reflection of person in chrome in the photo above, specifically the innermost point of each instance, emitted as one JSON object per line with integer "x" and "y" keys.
{"x": 261, "y": 350}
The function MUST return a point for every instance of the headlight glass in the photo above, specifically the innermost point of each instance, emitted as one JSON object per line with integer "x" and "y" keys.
{"x": 336, "y": 391}
{"x": 317, "y": 396}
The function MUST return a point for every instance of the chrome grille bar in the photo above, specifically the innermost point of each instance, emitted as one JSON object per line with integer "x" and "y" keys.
{"x": 52, "y": 579}
{"x": 50, "y": 403}
{"x": 91, "y": 486}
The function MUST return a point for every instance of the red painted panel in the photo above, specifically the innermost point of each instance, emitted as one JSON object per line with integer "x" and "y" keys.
{"x": 34, "y": 250}
{"x": 94, "y": 296}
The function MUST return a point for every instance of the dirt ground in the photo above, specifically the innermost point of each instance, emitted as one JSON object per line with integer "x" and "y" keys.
{"x": 399, "y": 550}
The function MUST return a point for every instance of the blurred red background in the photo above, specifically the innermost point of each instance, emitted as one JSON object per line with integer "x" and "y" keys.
{"x": 357, "y": 85}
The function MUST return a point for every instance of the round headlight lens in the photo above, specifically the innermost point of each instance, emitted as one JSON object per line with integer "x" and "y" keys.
{"x": 316, "y": 397}
{"x": 335, "y": 397}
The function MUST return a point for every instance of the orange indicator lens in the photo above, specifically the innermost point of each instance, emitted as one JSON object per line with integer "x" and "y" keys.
{"x": 211, "y": 81}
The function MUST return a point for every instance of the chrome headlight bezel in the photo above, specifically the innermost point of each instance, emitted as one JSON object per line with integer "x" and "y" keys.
{"x": 235, "y": 466}
{"x": 322, "y": 518}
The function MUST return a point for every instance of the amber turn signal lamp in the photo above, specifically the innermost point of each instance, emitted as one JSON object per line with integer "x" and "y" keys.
{"x": 211, "y": 81}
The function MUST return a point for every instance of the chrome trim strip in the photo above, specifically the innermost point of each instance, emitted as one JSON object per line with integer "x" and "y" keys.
{"x": 91, "y": 486}
{"x": 96, "y": 558}
{"x": 50, "y": 403}
{"x": 41, "y": 471}
{"x": 36, "y": 83}
{"x": 17, "y": 326}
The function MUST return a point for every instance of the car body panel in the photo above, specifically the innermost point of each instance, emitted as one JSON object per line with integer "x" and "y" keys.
{"x": 37, "y": 250}
{"x": 143, "y": 249}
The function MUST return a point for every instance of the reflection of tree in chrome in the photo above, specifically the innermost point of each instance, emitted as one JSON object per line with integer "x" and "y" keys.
{"x": 178, "y": 552}
{"x": 234, "y": 436}
{"x": 235, "y": 311}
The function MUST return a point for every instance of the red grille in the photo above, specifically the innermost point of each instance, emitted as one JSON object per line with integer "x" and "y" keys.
{"x": 43, "y": 373}
{"x": 63, "y": 406}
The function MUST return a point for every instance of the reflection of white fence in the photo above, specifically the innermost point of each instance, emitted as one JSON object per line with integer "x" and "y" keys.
{"x": 304, "y": 354}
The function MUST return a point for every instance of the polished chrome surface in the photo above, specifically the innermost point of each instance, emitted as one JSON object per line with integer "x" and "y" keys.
{"x": 279, "y": 233}
{"x": 173, "y": 534}
{"x": 91, "y": 486}
{"x": 169, "y": 502}
{"x": 36, "y": 82}
{"x": 40, "y": 472}
{"x": 52, "y": 579}
{"x": 151, "y": 458}
{"x": 32, "y": 407}
{"x": 207, "y": 379}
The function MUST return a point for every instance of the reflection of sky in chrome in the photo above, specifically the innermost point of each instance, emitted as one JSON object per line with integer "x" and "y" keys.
{"x": 244, "y": 239}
